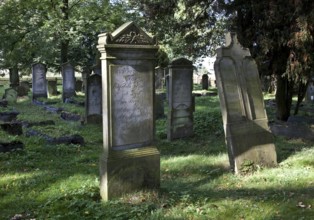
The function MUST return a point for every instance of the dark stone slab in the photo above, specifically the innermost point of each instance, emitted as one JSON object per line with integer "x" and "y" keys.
{"x": 68, "y": 116}
{"x": 8, "y": 116}
{"x": 13, "y": 128}
{"x": 10, "y": 146}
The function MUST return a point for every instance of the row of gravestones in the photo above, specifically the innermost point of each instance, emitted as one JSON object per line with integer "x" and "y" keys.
{"x": 93, "y": 89}
{"x": 130, "y": 161}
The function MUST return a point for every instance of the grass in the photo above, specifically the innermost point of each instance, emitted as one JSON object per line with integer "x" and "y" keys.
{"x": 61, "y": 181}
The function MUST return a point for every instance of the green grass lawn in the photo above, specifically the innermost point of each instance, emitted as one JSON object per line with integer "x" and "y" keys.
{"x": 62, "y": 181}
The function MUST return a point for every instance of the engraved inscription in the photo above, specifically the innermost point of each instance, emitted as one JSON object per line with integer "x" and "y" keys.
{"x": 132, "y": 37}
{"x": 132, "y": 104}
{"x": 182, "y": 88}
{"x": 39, "y": 79}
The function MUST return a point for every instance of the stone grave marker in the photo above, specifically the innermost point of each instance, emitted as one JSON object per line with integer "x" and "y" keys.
{"x": 310, "y": 91}
{"x": 130, "y": 162}
{"x": 159, "y": 75}
{"x": 52, "y": 87}
{"x": 247, "y": 134}
{"x": 39, "y": 82}
{"x": 93, "y": 99}
{"x": 10, "y": 95}
{"x": 180, "y": 102}
{"x": 68, "y": 81}
{"x": 205, "y": 81}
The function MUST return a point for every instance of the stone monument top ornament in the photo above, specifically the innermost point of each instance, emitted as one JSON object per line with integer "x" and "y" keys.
{"x": 128, "y": 33}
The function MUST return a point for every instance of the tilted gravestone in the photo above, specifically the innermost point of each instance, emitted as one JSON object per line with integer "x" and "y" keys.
{"x": 180, "y": 101}
{"x": 39, "y": 82}
{"x": 130, "y": 162}
{"x": 248, "y": 137}
{"x": 68, "y": 81}
{"x": 205, "y": 81}
{"x": 93, "y": 100}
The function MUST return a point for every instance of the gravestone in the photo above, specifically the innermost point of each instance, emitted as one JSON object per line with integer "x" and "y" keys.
{"x": 39, "y": 82}
{"x": 159, "y": 75}
{"x": 68, "y": 82}
{"x": 93, "y": 100}
{"x": 78, "y": 85}
{"x": 205, "y": 82}
{"x": 310, "y": 91}
{"x": 180, "y": 102}
{"x": 52, "y": 87}
{"x": 129, "y": 162}
{"x": 159, "y": 105}
{"x": 247, "y": 134}
{"x": 10, "y": 95}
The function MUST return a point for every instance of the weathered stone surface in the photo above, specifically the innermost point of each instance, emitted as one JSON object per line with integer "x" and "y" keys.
{"x": 248, "y": 136}
{"x": 68, "y": 81}
{"x": 39, "y": 82}
{"x": 93, "y": 109}
{"x": 52, "y": 87}
{"x": 13, "y": 128}
{"x": 159, "y": 77}
{"x": 205, "y": 82}
{"x": 10, "y": 95}
{"x": 8, "y": 116}
{"x": 180, "y": 101}
{"x": 129, "y": 161}
{"x": 68, "y": 116}
{"x": 10, "y": 146}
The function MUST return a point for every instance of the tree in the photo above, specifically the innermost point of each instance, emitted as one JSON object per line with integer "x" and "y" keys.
{"x": 55, "y": 31}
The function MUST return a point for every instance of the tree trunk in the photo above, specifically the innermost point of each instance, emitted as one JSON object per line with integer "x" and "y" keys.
{"x": 301, "y": 95}
{"x": 283, "y": 97}
{"x": 64, "y": 42}
{"x": 14, "y": 77}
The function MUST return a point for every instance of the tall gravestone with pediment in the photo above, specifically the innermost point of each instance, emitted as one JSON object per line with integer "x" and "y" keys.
{"x": 130, "y": 161}
{"x": 93, "y": 107}
{"x": 68, "y": 81}
{"x": 180, "y": 101}
{"x": 247, "y": 134}
{"x": 39, "y": 82}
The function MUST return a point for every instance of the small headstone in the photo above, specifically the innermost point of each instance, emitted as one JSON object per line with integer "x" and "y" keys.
{"x": 10, "y": 95}
{"x": 159, "y": 75}
{"x": 78, "y": 85}
{"x": 94, "y": 100}
{"x": 39, "y": 82}
{"x": 130, "y": 162}
{"x": 247, "y": 134}
{"x": 205, "y": 82}
{"x": 180, "y": 104}
{"x": 68, "y": 81}
{"x": 159, "y": 105}
{"x": 52, "y": 87}
{"x": 310, "y": 92}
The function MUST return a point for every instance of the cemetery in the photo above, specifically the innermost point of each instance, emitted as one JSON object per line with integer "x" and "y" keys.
{"x": 117, "y": 127}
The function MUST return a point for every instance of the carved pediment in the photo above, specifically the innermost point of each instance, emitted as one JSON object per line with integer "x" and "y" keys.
{"x": 130, "y": 33}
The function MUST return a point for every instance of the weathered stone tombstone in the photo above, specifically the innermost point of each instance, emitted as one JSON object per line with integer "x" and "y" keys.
{"x": 310, "y": 91}
{"x": 93, "y": 107}
{"x": 205, "y": 81}
{"x": 10, "y": 95}
{"x": 39, "y": 82}
{"x": 52, "y": 87}
{"x": 68, "y": 81}
{"x": 248, "y": 137}
{"x": 130, "y": 162}
{"x": 180, "y": 100}
{"x": 78, "y": 85}
{"x": 159, "y": 75}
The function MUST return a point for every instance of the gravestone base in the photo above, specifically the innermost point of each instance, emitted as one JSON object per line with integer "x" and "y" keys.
{"x": 251, "y": 144}
{"x": 129, "y": 170}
